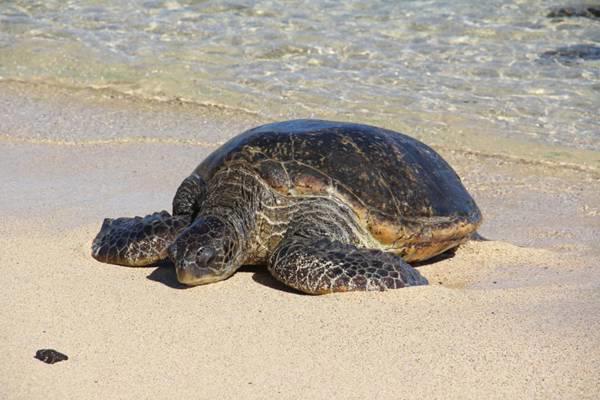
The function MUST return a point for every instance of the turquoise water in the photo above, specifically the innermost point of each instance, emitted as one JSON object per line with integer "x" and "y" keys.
{"x": 447, "y": 68}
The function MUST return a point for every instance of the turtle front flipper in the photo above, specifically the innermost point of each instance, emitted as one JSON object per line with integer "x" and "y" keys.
{"x": 326, "y": 266}
{"x": 137, "y": 241}
{"x": 189, "y": 196}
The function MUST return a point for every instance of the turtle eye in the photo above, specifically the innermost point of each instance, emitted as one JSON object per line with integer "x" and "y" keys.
{"x": 205, "y": 256}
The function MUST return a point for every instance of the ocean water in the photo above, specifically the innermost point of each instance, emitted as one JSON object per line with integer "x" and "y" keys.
{"x": 450, "y": 71}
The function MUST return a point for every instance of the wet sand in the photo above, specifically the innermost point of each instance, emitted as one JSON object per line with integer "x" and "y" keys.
{"x": 515, "y": 314}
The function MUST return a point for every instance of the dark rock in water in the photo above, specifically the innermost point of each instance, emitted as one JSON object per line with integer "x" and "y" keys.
{"x": 586, "y": 11}
{"x": 573, "y": 53}
{"x": 50, "y": 356}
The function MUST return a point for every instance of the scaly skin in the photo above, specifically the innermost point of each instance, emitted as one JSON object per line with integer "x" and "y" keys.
{"x": 137, "y": 241}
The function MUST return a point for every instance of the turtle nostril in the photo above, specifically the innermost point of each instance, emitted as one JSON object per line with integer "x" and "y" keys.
{"x": 205, "y": 256}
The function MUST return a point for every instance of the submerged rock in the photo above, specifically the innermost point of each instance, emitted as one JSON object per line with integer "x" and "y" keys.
{"x": 586, "y": 11}
{"x": 573, "y": 53}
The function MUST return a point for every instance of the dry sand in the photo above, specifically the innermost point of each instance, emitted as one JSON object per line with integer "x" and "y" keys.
{"x": 514, "y": 316}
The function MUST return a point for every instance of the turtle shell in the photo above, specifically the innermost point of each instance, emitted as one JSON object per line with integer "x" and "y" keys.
{"x": 395, "y": 184}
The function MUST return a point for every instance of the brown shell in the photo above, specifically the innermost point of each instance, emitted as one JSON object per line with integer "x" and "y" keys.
{"x": 398, "y": 186}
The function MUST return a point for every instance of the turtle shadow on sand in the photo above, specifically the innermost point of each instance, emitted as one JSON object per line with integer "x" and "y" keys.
{"x": 261, "y": 275}
{"x": 450, "y": 253}
{"x": 165, "y": 273}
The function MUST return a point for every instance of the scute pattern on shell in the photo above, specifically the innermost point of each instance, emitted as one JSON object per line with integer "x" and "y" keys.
{"x": 391, "y": 181}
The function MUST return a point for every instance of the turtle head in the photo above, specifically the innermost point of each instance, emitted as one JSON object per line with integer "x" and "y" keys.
{"x": 206, "y": 252}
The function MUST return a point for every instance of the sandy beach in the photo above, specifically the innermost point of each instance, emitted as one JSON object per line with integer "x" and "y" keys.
{"x": 513, "y": 315}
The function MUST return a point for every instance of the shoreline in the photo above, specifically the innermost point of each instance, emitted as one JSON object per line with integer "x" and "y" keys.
{"x": 513, "y": 315}
{"x": 466, "y": 140}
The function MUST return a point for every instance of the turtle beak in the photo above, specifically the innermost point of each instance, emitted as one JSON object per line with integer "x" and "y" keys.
{"x": 187, "y": 278}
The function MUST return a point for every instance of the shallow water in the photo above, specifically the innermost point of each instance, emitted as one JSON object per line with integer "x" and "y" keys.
{"x": 439, "y": 69}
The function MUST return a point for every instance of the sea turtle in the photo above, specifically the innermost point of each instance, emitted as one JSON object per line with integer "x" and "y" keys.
{"x": 327, "y": 206}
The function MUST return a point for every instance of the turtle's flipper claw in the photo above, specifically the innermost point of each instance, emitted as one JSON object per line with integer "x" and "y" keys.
{"x": 137, "y": 241}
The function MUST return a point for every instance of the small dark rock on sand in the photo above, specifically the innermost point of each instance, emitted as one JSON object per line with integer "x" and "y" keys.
{"x": 50, "y": 356}
{"x": 586, "y": 11}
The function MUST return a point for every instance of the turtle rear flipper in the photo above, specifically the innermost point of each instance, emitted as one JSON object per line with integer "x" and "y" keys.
{"x": 326, "y": 266}
{"x": 137, "y": 241}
